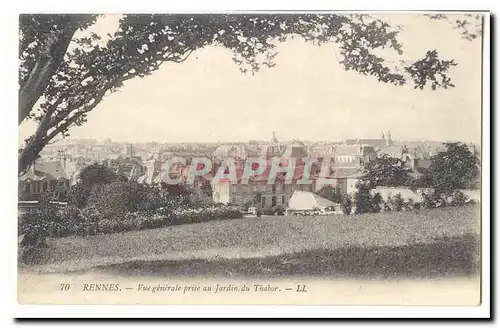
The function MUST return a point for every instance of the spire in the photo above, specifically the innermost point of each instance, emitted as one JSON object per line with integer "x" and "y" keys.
{"x": 382, "y": 135}
{"x": 389, "y": 139}
{"x": 274, "y": 139}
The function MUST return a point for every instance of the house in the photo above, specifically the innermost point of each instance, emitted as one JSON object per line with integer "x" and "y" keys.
{"x": 353, "y": 154}
{"x": 343, "y": 179}
{"x": 346, "y": 180}
{"x": 43, "y": 178}
{"x": 295, "y": 150}
{"x": 308, "y": 201}
{"x": 258, "y": 191}
{"x": 393, "y": 151}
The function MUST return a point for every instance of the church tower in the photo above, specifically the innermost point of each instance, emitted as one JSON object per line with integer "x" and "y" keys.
{"x": 274, "y": 140}
{"x": 273, "y": 149}
{"x": 388, "y": 140}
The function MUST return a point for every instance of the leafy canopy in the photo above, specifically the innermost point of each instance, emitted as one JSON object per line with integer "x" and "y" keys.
{"x": 453, "y": 169}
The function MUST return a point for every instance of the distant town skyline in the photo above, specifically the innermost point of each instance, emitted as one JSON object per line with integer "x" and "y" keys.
{"x": 307, "y": 96}
{"x": 263, "y": 140}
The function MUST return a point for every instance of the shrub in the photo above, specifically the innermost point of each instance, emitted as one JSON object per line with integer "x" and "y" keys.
{"x": 90, "y": 218}
{"x": 363, "y": 199}
{"x": 107, "y": 226}
{"x": 265, "y": 211}
{"x": 431, "y": 199}
{"x": 330, "y": 193}
{"x": 376, "y": 203}
{"x": 91, "y": 176}
{"x": 69, "y": 223}
{"x": 148, "y": 221}
{"x": 196, "y": 215}
{"x": 387, "y": 204}
{"x": 114, "y": 200}
{"x": 397, "y": 203}
{"x": 79, "y": 194}
{"x": 458, "y": 198}
{"x": 278, "y": 210}
{"x": 35, "y": 225}
{"x": 409, "y": 205}
{"x": 346, "y": 205}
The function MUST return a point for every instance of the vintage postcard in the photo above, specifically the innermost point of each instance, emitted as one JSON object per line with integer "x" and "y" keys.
{"x": 257, "y": 158}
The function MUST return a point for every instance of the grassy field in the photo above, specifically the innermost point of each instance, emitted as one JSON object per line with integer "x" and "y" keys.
{"x": 427, "y": 242}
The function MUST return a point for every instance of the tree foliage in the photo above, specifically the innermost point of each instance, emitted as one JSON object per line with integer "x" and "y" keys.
{"x": 59, "y": 85}
{"x": 385, "y": 171}
{"x": 363, "y": 198}
{"x": 330, "y": 193}
{"x": 89, "y": 177}
{"x": 116, "y": 199}
{"x": 346, "y": 204}
{"x": 453, "y": 169}
{"x": 397, "y": 202}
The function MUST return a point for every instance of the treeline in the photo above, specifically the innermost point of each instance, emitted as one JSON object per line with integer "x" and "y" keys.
{"x": 450, "y": 171}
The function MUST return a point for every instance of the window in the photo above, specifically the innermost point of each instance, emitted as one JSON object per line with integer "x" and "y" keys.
{"x": 263, "y": 201}
{"x": 283, "y": 200}
{"x": 274, "y": 188}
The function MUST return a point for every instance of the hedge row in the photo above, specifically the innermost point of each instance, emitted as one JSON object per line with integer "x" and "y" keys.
{"x": 72, "y": 221}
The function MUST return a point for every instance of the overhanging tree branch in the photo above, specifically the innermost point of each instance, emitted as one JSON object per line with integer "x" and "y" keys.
{"x": 47, "y": 63}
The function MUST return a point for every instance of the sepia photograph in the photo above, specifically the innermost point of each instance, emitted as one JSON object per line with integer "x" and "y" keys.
{"x": 319, "y": 158}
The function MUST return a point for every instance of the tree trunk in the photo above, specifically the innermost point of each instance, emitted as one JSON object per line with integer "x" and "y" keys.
{"x": 47, "y": 63}
{"x": 27, "y": 156}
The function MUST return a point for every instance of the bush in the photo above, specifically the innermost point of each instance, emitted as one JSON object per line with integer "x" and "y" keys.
{"x": 114, "y": 200}
{"x": 458, "y": 198}
{"x": 126, "y": 206}
{"x": 79, "y": 194}
{"x": 409, "y": 205}
{"x": 69, "y": 223}
{"x": 346, "y": 205}
{"x": 397, "y": 203}
{"x": 148, "y": 221}
{"x": 196, "y": 215}
{"x": 35, "y": 225}
{"x": 90, "y": 220}
{"x": 431, "y": 199}
{"x": 108, "y": 226}
{"x": 278, "y": 210}
{"x": 387, "y": 204}
{"x": 376, "y": 203}
{"x": 91, "y": 176}
{"x": 363, "y": 199}
{"x": 330, "y": 193}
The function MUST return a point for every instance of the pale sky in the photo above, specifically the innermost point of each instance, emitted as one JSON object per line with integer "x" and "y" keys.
{"x": 306, "y": 96}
